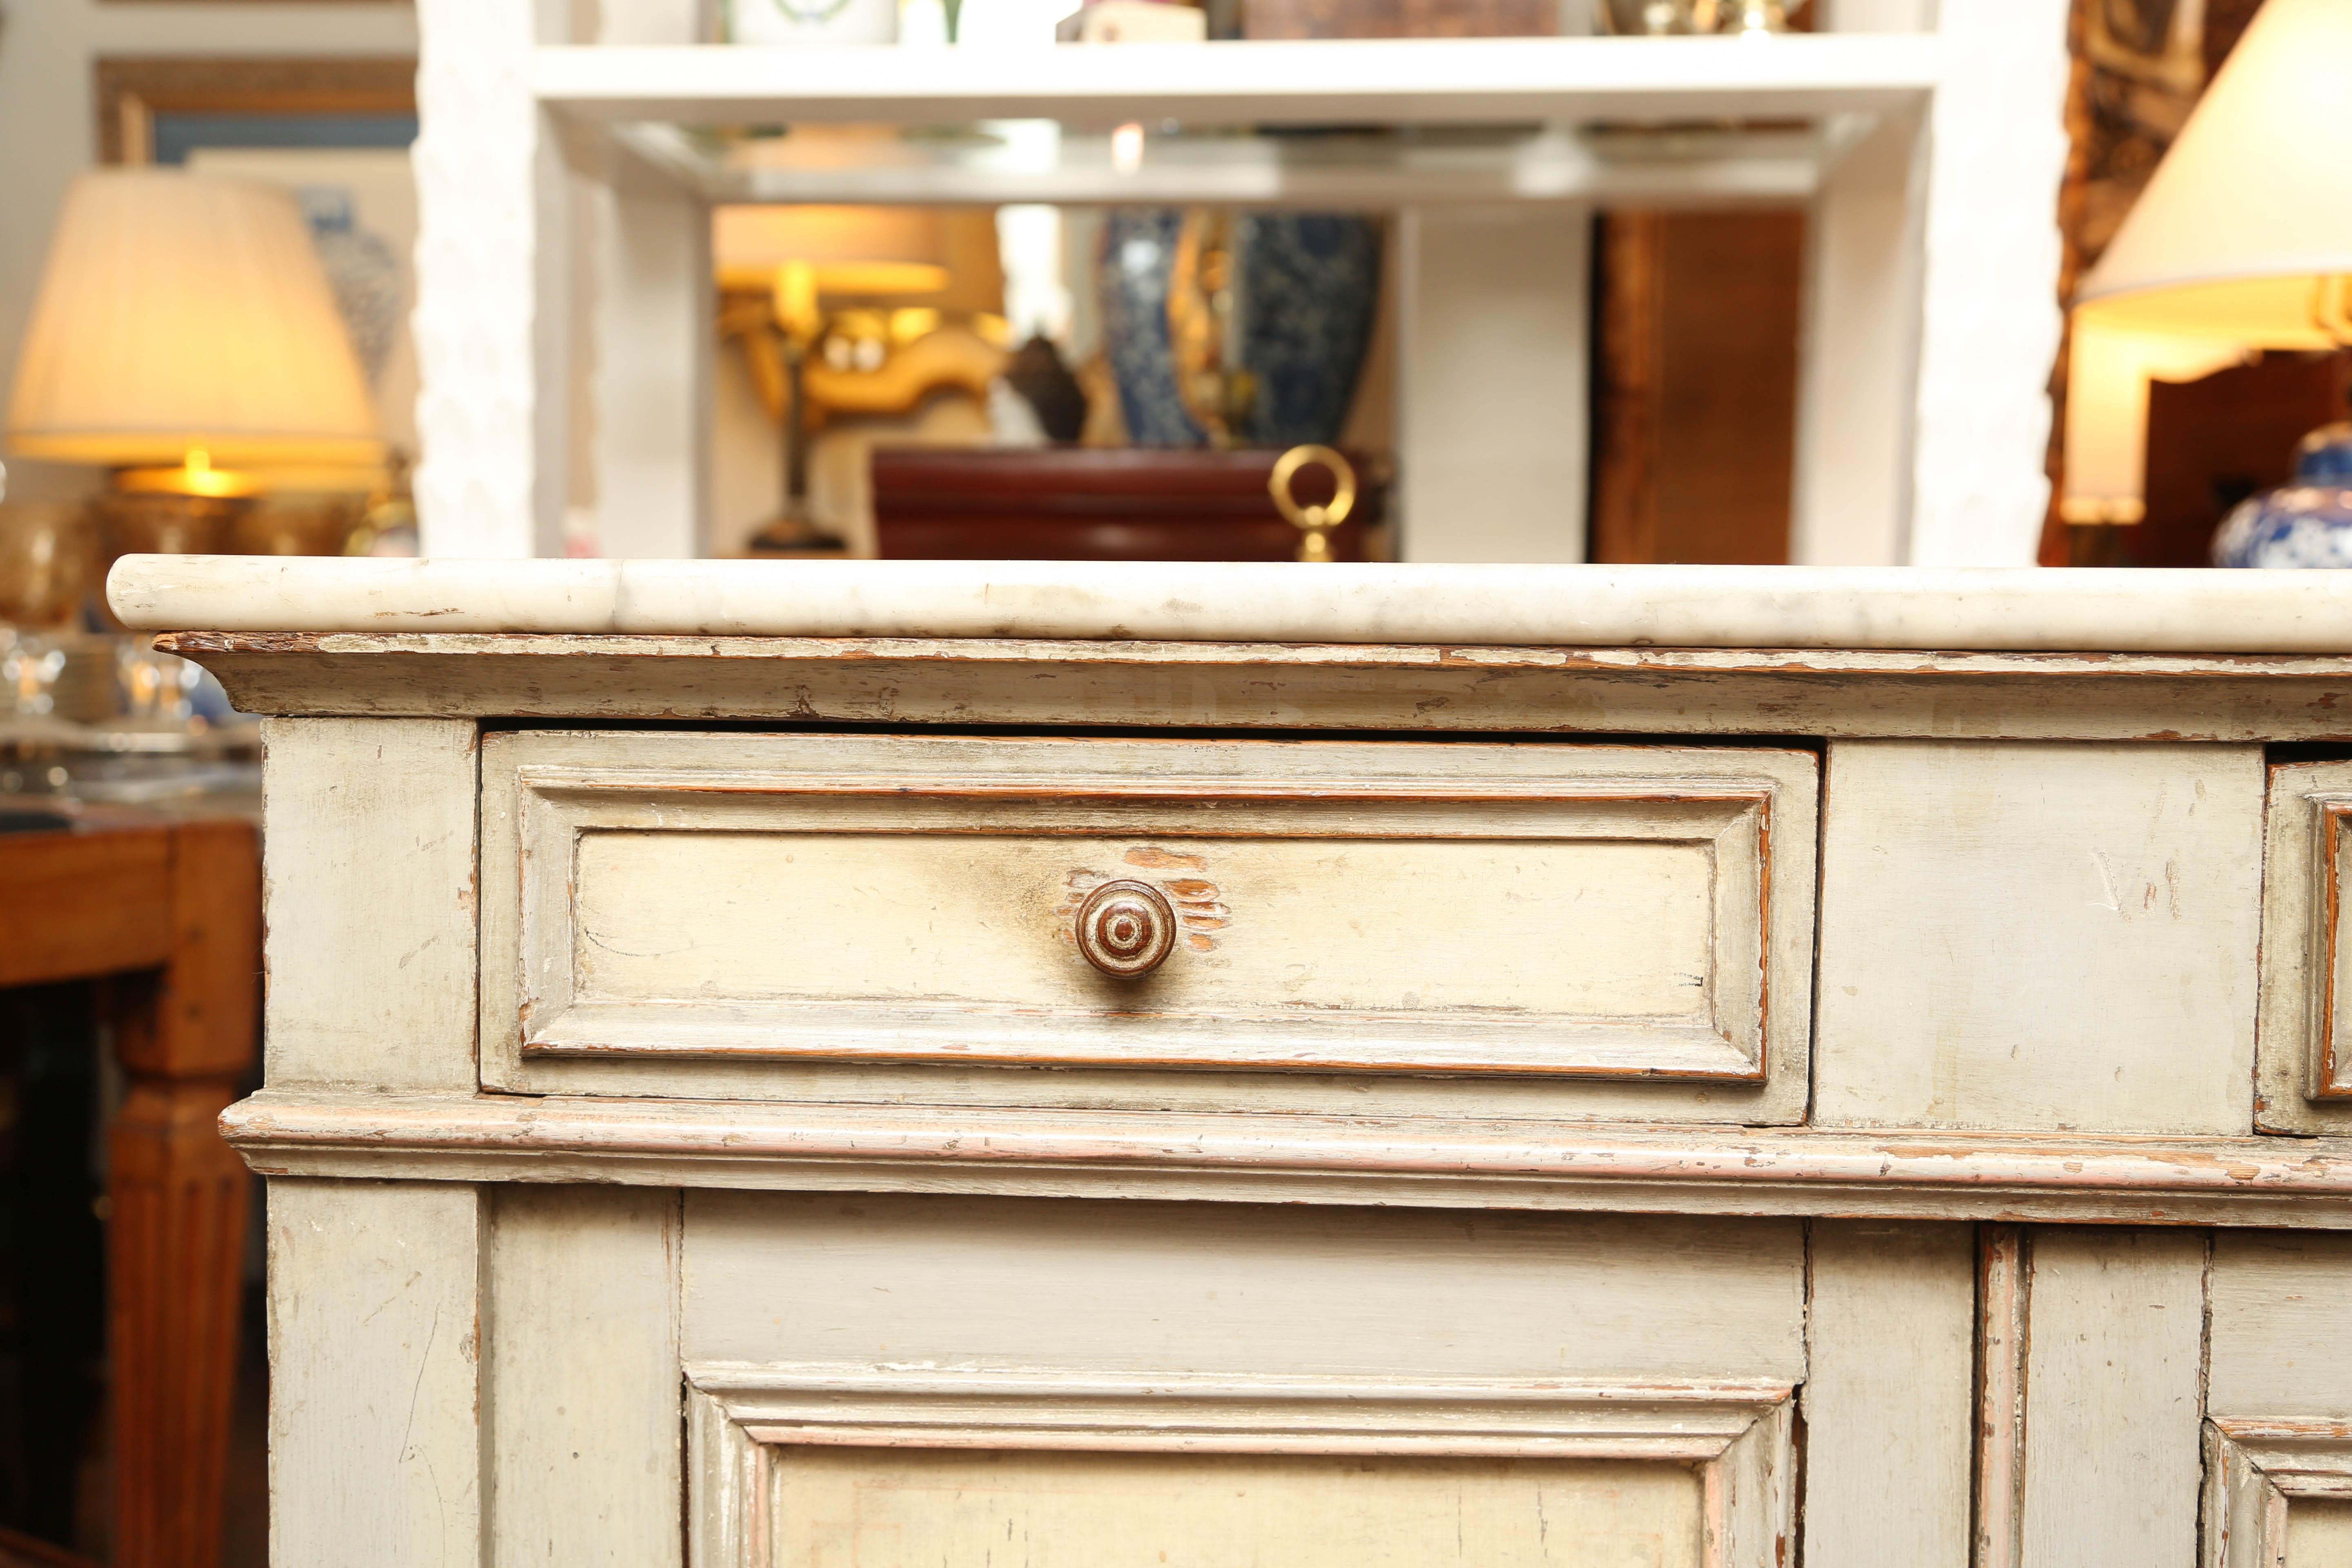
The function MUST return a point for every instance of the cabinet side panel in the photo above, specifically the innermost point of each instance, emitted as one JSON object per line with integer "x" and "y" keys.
{"x": 1887, "y": 1400}
{"x": 374, "y": 1340}
{"x": 368, "y": 889}
{"x": 585, "y": 1465}
{"x": 2031, "y": 936}
{"x": 2114, "y": 1383}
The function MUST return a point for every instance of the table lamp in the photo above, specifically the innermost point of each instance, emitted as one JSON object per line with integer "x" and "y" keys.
{"x": 2242, "y": 241}
{"x": 797, "y": 257}
{"x": 185, "y": 336}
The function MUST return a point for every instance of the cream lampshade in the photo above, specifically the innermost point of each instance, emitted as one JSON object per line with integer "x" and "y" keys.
{"x": 2242, "y": 241}
{"x": 848, "y": 250}
{"x": 185, "y": 320}
{"x": 2245, "y": 232}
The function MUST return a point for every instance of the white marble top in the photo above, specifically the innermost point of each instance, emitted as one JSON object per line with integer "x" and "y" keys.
{"x": 1584, "y": 606}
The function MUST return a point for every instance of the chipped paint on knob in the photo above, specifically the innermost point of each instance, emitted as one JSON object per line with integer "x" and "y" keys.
{"x": 1125, "y": 928}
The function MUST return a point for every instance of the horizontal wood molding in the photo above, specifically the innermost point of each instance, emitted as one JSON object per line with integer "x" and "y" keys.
{"x": 1278, "y": 1158}
{"x": 1664, "y": 691}
{"x": 1739, "y": 1437}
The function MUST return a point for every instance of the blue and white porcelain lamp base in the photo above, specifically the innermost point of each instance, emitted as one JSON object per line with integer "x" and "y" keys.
{"x": 2307, "y": 521}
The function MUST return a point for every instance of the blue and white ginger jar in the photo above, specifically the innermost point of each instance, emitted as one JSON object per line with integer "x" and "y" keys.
{"x": 2307, "y": 521}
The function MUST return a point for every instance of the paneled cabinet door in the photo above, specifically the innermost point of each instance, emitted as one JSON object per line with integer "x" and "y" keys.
{"x": 819, "y": 1380}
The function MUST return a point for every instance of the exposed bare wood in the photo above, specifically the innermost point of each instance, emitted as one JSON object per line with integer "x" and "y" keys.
{"x": 2004, "y": 1290}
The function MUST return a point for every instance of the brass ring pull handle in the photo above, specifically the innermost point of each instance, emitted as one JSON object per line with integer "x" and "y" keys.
{"x": 1126, "y": 929}
{"x": 1315, "y": 522}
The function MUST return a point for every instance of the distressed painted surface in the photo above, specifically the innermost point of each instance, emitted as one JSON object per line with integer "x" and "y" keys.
{"x": 1890, "y": 1342}
{"x": 1245, "y": 1157}
{"x": 2319, "y": 1535}
{"x": 881, "y": 915}
{"x": 908, "y": 1509}
{"x": 376, "y": 1351}
{"x": 2282, "y": 1318}
{"x": 369, "y": 894}
{"x": 1406, "y": 690}
{"x": 2304, "y": 1057}
{"x": 1312, "y": 926}
{"x": 1202, "y": 1288}
{"x": 2026, "y": 936}
{"x": 2113, "y": 1383}
{"x": 584, "y": 1377}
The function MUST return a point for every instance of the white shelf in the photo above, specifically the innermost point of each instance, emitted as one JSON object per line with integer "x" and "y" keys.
{"x": 1700, "y": 166}
{"x": 1371, "y": 81}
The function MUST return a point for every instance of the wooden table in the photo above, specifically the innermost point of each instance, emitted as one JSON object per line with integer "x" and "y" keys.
{"x": 167, "y": 916}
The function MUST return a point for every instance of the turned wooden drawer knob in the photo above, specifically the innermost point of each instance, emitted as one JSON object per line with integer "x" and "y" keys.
{"x": 1125, "y": 928}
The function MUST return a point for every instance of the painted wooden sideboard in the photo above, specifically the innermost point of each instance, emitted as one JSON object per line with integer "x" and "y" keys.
{"x": 887, "y": 1065}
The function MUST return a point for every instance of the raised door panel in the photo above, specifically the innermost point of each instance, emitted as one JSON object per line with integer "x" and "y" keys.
{"x": 1584, "y": 929}
{"x": 2278, "y": 1436}
{"x": 877, "y": 1508}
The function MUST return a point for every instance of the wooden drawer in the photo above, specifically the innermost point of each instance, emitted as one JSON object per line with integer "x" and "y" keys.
{"x": 794, "y": 914}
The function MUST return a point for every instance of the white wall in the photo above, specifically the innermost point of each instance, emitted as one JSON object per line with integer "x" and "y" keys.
{"x": 49, "y": 118}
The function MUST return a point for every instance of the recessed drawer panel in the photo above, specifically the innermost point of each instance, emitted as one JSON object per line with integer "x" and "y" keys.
{"x": 1506, "y": 911}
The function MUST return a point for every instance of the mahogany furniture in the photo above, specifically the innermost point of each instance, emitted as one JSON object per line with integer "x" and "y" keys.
{"x": 1072, "y": 503}
{"x": 896, "y": 1063}
{"x": 167, "y": 915}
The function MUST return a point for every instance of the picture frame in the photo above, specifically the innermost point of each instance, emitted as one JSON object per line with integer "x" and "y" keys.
{"x": 145, "y": 104}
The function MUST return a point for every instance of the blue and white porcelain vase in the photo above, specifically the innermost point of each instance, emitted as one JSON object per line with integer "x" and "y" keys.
{"x": 1138, "y": 270}
{"x": 2307, "y": 521}
{"x": 1308, "y": 288}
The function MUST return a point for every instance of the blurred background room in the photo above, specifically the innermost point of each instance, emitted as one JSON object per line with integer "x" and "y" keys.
{"x": 265, "y": 288}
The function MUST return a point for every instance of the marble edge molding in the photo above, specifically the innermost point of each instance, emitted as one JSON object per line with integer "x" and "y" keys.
{"x": 1975, "y": 609}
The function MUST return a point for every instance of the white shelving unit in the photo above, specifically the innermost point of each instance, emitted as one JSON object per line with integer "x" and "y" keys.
{"x": 1451, "y": 82}
{"x": 563, "y": 323}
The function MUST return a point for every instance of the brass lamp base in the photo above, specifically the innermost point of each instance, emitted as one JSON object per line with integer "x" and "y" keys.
{"x": 795, "y": 536}
{"x": 159, "y": 522}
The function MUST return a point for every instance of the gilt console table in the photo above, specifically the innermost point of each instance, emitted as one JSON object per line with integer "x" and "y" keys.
{"x": 890, "y": 1064}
